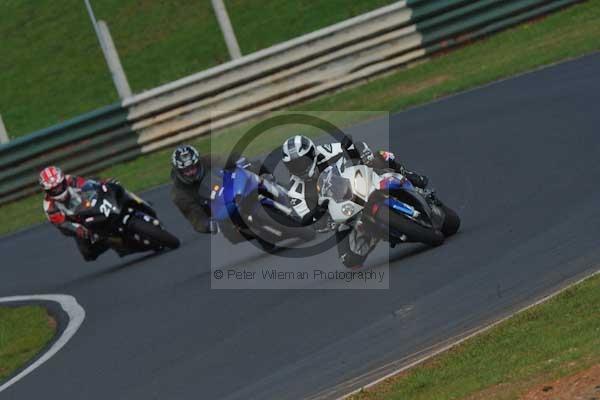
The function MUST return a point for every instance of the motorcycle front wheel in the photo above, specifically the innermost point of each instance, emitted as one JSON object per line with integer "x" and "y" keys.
{"x": 413, "y": 231}
{"x": 451, "y": 221}
{"x": 157, "y": 236}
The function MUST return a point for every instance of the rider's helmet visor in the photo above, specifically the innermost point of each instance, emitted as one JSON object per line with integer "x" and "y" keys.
{"x": 301, "y": 166}
{"x": 190, "y": 171}
{"x": 58, "y": 189}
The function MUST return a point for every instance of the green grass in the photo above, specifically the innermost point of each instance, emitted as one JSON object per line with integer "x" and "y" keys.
{"x": 52, "y": 69}
{"x": 24, "y": 331}
{"x": 566, "y": 34}
{"x": 284, "y": 20}
{"x": 160, "y": 41}
{"x": 547, "y": 342}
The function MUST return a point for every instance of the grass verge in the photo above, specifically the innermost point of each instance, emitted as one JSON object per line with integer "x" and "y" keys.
{"x": 24, "y": 331}
{"x": 552, "y": 340}
{"x": 569, "y": 33}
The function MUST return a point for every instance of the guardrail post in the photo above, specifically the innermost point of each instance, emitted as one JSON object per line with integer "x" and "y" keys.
{"x": 3, "y": 134}
{"x": 110, "y": 54}
{"x": 227, "y": 29}
{"x": 114, "y": 63}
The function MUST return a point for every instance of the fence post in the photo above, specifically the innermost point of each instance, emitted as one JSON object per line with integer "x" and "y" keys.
{"x": 114, "y": 63}
{"x": 226, "y": 29}
{"x": 110, "y": 54}
{"x": 3, "y": 134}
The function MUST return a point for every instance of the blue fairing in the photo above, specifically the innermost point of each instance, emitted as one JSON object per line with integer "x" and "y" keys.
{"x": 239, "y": 183}
{"x": 393, "y": 183}
{"x": 234, "y": 184}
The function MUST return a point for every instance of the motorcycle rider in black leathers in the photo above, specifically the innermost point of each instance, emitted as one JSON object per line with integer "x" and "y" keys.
{"x": 305, "y": 161}
{"x": 192, "y": 187}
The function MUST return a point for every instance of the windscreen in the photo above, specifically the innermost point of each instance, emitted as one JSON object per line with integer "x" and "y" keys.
{"x": 89, "y": 190}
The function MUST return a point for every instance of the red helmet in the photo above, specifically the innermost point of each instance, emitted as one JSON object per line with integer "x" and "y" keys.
{"x": 53, "y": 181}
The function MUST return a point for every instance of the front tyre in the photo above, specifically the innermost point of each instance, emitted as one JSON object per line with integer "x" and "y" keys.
{"x": 413, "y": 231}
{"x": 352, "y": 260}
{"x": 451, "y": 222}
{"x": 157, "y": 236}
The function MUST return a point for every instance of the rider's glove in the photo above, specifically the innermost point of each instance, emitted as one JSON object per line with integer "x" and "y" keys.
{"x": 420, "y": 181}
{"x": 112, "y": 180}
{"x": 364, "y": 152}
{"x": 346, "y": 142}
{"x": 323, "y": 204}
{"x": 366, "y": 156}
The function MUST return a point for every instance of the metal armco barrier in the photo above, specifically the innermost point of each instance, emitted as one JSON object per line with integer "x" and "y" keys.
{"x": 85, "y": 143}
{"x": 270, "y": 79}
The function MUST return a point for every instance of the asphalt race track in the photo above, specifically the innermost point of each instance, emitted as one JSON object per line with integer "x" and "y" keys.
{"x": 518, "y": 160}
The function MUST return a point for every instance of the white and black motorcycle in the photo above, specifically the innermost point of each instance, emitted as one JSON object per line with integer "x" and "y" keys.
{"x": 386, "y": 205}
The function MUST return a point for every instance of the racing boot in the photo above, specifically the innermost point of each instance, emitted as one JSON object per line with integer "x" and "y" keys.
{"x": 417, "y": 180}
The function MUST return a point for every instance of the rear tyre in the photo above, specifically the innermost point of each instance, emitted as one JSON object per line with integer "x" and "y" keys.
{"x": 451, "y": 222}
{"x": 155, "y": 234}
{"x": 414, "y": 231}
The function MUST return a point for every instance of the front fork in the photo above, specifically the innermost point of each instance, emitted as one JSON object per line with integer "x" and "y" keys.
{"x": 377, "y": 219}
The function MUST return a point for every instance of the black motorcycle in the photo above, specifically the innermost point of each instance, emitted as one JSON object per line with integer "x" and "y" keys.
{"x": 128, "y": 223}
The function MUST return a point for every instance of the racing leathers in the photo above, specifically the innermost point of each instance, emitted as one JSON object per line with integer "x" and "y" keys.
{"x": 193, "y": 198}
{"x": 62, "y": 215}
{"x": 354, "y": 246}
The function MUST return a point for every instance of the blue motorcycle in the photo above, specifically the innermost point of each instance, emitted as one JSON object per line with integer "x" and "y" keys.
{"x": 249, "y": 207}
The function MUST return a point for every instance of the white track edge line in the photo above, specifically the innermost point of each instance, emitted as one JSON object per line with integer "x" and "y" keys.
{"x": 477, "y": 331}
{"x": 76, "y": 315}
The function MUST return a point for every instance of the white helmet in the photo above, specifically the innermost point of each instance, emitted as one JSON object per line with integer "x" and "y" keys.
{"x": 300, "y": 156}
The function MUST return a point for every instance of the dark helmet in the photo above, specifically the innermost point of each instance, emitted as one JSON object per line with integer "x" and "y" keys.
{"x": 300, "y": 156}
{"x": 186, "y": 164}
